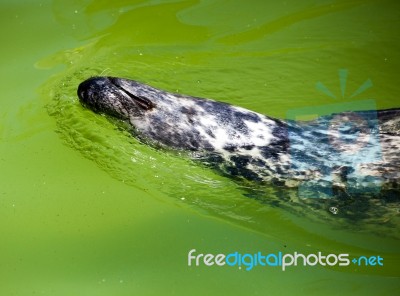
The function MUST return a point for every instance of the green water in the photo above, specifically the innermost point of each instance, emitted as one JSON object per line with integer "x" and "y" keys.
{"x": 87, "y": 210}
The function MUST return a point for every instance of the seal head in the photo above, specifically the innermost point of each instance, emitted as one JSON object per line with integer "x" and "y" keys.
{"x": 177, "y": 121}
{"x": 121, "y": 99}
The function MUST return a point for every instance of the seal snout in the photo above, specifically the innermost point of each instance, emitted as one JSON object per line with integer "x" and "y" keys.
{"x": 90, "y": 87}
{"x": 95, "y": 93}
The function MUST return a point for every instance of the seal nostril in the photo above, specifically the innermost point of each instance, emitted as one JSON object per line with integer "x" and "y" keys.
{"x": 81, "y": 94}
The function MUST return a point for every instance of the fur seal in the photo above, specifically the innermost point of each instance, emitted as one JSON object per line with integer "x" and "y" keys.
{"x": 354, "y": 152}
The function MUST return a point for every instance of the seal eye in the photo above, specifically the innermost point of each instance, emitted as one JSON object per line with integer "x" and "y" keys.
{"x": 142, "y": 102}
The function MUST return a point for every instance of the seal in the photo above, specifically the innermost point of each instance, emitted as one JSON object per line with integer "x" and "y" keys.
{"x": 355, "y": 152}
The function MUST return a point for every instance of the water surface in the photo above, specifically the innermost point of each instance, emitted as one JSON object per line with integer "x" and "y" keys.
{"x": 87, "y": 209}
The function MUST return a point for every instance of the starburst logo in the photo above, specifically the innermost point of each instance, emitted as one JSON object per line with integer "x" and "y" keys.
{"x": 342, "y": 142}
{"x": 348, "y": 132}
{"x": 343, "y": 74}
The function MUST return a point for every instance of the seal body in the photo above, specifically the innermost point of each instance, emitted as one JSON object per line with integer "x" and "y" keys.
{"x": 354, "y": 151}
